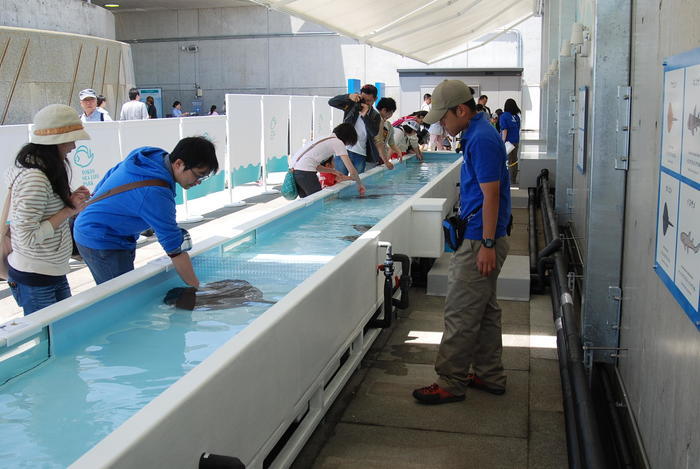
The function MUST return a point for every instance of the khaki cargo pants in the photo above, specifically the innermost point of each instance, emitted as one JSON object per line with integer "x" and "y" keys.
{"x": 472, "y": 337}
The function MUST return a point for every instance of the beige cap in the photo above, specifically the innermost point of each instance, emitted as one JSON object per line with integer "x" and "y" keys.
{"x": 57, "y": 123}
{"x": 449, "y": 93}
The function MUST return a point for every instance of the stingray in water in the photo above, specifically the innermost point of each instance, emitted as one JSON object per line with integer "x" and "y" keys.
{"x": 362, "y": 228}
{"x": 350, "y": 238}
{"x": 223, "y": 294}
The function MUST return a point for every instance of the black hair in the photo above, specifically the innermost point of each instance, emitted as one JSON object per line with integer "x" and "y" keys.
{"x": 51, "y": 163}
{"x": 212, "y": 109}
{"x": 471, "y": 104}
{"x": 426, "y": 96}
{"x": 483, "y": 96}
{"x": 471, "y": 90}
{"x": 511, "y": 107}
{"x": 480, "y": 107}
{"x": 100, "y": 99}
{"x": 176, "y": 103}
{"x": 346, "y": 133}
{"x": 387, "y": 103}
{"x": 133, "y": 93}
{"x": 369, "y": 89}
{"x": 499, "y": 111}
{"x": 150, "y": 99}
{"x": 407, "y": 128}
{"x": 196, "y": 152}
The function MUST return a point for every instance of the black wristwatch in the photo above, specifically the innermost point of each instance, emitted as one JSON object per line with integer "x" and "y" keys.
{"x": 488, "y": 243}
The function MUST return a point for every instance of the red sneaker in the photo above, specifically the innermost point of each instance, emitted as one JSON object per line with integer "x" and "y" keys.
{"x": 434, "y": 394}
{"x": 478, "y": 383}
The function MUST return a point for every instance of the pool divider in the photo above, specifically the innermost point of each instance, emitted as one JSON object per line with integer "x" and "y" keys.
{"x": 281, "y": 373}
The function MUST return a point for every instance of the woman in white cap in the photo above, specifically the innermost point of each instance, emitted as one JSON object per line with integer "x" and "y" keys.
{"x": 406, "y": 139}
{"x": 41, "y": 202}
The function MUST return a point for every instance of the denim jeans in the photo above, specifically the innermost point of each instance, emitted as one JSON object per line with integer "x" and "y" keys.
{"x": 358, "y": 161}
{"x": 105, "y": 264}
{"x": 32, "y": 298}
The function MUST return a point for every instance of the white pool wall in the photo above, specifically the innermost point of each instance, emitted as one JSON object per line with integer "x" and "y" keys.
{"x": 242, "y": 398}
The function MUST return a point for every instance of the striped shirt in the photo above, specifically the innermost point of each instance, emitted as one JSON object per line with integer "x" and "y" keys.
{"x": 36, "y": 246}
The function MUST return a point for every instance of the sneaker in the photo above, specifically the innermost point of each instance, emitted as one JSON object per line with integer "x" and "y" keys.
{"x": 478, "y": 383}
{"x": 434, "y": 394}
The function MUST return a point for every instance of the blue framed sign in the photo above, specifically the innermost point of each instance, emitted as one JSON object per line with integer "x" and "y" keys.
{"x": 582, "y": 124}
{"x": 677, "y": 259}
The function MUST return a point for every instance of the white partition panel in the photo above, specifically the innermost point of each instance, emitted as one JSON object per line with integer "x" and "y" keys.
{"x": 300, "y": 121}
{"x": 161, "y": 133}
{"x": 213, "y": 128}
{"x": 275, "y": 132}
{"x": 92, "y": 158}
{"x": 322, "y": 117}
{"x": 336, "y": 117}
{"x": 244, "y": 113}
{"x": 13, "y": 137}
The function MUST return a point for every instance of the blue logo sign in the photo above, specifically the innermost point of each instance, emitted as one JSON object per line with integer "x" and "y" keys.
{"x": 83, "y": 156}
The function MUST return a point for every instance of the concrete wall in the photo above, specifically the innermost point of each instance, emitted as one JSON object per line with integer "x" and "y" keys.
{"x": 38, "y": 68}
{"x": 68, "y": 16}
{"x": 661, "y": 369}
{"x": 255, "y": 50}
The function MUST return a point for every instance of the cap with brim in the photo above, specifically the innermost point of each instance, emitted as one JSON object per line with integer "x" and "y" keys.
{"x": 449, "y": 93}
{"x": 412, "y": 124}
{"x": 87, "y": 93}
{"x": 56, "y": 124}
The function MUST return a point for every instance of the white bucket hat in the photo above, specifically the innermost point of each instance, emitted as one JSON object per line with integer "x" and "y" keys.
{"x": 57, "y": 123}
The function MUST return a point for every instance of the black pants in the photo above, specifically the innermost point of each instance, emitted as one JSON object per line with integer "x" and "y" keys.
{"x": 307, "y": 182}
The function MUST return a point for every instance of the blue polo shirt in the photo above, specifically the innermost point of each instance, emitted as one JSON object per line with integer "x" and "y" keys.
{"x": 484, "y": 161}
{"x": 511, "y": 123}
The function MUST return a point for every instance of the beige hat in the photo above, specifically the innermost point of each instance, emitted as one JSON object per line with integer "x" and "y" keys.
{"x": 57, "y": 123}
{"x": 449, "y": 93}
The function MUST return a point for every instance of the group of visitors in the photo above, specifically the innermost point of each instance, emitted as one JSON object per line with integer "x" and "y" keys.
{"x": 136, "y": 194}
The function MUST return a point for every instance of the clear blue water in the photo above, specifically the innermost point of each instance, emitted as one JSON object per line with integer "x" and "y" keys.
{"x": 110, "y": 360}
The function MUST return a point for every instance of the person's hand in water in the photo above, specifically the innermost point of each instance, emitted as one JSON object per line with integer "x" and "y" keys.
{"x": 361, "y": 190}
{"x": 389, "y": 164}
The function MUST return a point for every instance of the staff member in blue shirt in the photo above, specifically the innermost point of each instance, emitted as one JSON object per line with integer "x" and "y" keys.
{"x": 470, "y": 351}
{"x": 509, "y": 123}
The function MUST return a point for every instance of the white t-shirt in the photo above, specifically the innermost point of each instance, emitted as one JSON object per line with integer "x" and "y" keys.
{"x": 403, "y": 141}
{"x": 134, "y": 110}
{"x": 426, "y": 107}
{"x": 435, "y": 129}
{"x": 361, "y": 146}
{"x": 318, "y": 154}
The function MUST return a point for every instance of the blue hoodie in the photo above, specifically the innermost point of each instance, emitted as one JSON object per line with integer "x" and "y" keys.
{"x": 117, "y": 221}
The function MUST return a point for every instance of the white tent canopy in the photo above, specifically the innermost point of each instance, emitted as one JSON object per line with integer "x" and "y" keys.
{"x": 425, "y": 30}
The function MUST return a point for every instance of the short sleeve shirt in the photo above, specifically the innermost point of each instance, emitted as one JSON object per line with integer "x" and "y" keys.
{"x": 511, "y": 123}
{"x": 484, "y": 161}
{"x": 318, "y": 154}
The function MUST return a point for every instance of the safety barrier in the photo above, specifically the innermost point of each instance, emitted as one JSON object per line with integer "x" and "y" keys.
{"x": 255, "y": 138}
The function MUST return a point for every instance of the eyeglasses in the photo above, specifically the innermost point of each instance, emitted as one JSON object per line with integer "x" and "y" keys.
{"x": 200, "y": 178}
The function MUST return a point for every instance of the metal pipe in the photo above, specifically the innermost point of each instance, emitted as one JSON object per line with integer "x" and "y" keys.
{"x": 572, "y": 438}
{"x": 404, "y": 281}
{"x": 388, "y": 269}
{"x": 589, "y": 434}
{"x": 617, "y": 427}
{"x": 532, "y": 227}
{"x": 217, "y": 461}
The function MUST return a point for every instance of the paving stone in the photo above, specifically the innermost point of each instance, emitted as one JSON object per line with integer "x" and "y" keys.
{"x": 421, "y": 346}
{"x": 385, "y": 399}
{"x": 545, "y": 385}
{"x": 372, "y": 447}
{"x": 547, "y": 442}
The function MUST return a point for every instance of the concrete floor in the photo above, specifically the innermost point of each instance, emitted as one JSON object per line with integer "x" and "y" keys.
{"x": 376, "y": 423}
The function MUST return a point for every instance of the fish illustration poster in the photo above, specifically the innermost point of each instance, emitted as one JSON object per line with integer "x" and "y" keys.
{"x": 678, "y": 213}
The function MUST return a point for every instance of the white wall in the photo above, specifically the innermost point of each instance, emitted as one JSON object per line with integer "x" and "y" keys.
{"x": 68, "y": 16}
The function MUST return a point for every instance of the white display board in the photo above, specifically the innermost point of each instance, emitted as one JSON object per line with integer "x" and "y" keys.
{"x": 13, "y": 138}
{"x": 210, "y": 127}
{"x": 244, "y": 112}
{"x": 336, "y": 117}
{"x": 322, "y": 117}
{"x": 92, "y": 158}
{"x": 301, "y": 121}
{"x": 160, "y": 133}
{"x": 275, "y": 126}
{"x": 677, "y": 260}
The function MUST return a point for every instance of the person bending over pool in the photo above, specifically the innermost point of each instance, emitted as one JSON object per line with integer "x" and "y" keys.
{"x": 312, "y": 158}
{"x": 106, "y": 232}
